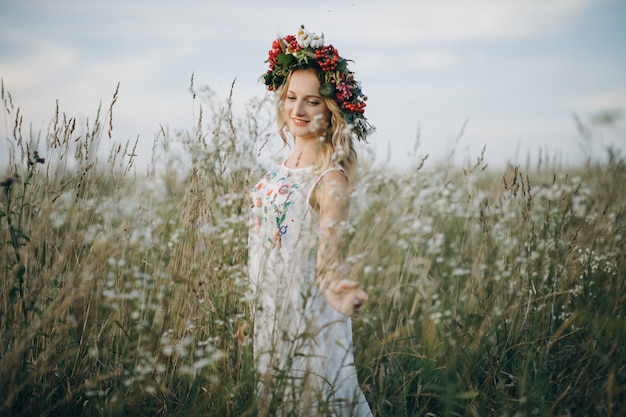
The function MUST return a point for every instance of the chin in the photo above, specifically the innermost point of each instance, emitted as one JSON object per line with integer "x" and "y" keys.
{"x": 299, "y": 131}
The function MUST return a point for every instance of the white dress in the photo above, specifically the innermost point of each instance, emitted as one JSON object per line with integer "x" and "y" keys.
{"x": 302, "y": 346}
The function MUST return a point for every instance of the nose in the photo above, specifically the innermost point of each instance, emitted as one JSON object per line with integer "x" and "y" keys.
{"x": 299, "y": 108}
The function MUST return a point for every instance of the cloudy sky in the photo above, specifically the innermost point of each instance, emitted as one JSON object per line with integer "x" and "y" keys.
{"x": 510, "y": 74}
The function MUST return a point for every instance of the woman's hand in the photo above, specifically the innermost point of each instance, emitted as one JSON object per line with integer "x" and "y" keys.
{"x": 345, "y": 296}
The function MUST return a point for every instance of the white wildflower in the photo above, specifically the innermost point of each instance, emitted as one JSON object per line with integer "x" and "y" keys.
{"x": 308, "y": 39}
{"x": 317, "y": 41}
{"x": 57, "y": 220}
{"x": 304, "y": 37}
{"x": 435, "y": 316}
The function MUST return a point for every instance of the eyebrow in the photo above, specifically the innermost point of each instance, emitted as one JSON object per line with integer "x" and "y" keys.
{"x": 308, "y": 96}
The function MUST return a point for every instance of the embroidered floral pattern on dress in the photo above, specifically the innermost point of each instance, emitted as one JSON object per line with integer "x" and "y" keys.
{"x": 269, "y": 201}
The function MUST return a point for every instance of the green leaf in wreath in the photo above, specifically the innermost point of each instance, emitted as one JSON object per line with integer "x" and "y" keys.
{"x": 342, "y": 65}
{"x": 286, "y": 59}
{"x": 327, "y": 90}
{"x": 303, "y": 59}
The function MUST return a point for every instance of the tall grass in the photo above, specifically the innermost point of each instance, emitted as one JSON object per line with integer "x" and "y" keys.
{"x": 491, "y": 293}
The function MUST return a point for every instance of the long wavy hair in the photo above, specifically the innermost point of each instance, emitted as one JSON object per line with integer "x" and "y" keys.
{"x": 337, "y": 148}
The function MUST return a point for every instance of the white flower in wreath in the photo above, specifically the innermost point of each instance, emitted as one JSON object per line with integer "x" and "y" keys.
{"x": 308, "y": 39}
{"x": 304, "y": 37}
{"x": 317, "y": 41}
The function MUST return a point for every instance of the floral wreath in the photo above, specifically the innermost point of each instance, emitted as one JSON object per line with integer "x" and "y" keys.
{"x": 307, "y": 49}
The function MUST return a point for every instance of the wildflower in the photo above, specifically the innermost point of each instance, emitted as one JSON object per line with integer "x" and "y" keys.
{"x": 344, "y": 91}
{"x": 317, "y": 41}
{"x": 304, "y": 37}
{"x": 318, "y": 120}
{"x": 36, "y": 159}
{"x": 8, "y": 182}
{"x": 307, "y": 39}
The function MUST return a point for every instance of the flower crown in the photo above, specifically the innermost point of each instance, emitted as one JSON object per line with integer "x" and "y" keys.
{"x": 307, "y": 49}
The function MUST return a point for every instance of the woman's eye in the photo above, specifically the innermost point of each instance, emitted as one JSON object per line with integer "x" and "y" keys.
{"x": 314, "y": 102}
{"x": 291, "y": 98}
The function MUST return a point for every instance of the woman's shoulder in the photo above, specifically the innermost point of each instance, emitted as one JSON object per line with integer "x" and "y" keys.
{"x": 333, "y": 180}
{"x": 336, "y": 173}
{"x": 333, "y": 170}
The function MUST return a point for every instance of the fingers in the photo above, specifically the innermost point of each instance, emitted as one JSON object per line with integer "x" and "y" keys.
{"x": 361, "y": 295}
{"x": 357, "y": 298}
{"x": 346, "y": 296}
{"x": 346, "y": 285}
{"x": 352, "y": 289}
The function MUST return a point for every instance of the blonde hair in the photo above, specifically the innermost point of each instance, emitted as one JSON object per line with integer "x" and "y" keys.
{"x": 337, "y": 148}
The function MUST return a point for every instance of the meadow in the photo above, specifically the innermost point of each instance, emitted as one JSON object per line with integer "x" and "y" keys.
{"x": 493, "y": 292}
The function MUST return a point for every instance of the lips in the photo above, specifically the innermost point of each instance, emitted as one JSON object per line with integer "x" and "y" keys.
{"x": 299, "y": 122}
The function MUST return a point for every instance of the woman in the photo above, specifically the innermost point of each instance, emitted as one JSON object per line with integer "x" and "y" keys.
{"x": 302, "y": 300}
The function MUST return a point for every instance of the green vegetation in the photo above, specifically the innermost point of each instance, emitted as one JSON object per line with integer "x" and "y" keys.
{"x": 491, "y": 293}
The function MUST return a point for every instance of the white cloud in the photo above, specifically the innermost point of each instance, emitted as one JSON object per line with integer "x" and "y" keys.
{"x": 600, "y": 101}
{"x": 432, "y": 59}
{"x": 460, "y": 20}
{"x": 43, "y": 65}
{"x": 373, "y": 21}
{"x": 514, "y": 139}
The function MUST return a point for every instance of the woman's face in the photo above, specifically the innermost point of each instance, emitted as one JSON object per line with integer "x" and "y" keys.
{"x": 306, "y": 112}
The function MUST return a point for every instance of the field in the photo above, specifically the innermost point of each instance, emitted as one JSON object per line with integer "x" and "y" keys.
{"x": 492, "y": 292}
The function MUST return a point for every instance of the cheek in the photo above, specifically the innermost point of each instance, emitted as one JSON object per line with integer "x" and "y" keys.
{"x": 287, "y": 108}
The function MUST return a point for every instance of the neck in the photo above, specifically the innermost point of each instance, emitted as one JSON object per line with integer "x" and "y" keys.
{"x": 305, "y": 152}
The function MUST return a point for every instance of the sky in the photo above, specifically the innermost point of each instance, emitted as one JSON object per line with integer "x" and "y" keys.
{"x": 508, "y": 77}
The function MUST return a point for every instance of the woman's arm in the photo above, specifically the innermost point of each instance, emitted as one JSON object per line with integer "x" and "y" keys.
{"x": 333, "y": 200}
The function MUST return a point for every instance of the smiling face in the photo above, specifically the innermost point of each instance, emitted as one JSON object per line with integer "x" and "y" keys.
{"x": 305, "y": 111}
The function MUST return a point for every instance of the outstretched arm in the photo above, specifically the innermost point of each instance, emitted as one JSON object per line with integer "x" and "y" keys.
{"x": 333, "y": 195}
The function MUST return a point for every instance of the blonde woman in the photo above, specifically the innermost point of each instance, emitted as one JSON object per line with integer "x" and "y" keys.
{"x": 302, "y": 299}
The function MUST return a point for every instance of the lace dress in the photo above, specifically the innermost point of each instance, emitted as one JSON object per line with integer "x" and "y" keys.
{"x": 302, "y": 346}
